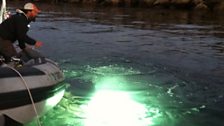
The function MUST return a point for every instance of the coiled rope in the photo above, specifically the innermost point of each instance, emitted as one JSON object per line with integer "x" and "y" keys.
{"x": 28, "y": 90}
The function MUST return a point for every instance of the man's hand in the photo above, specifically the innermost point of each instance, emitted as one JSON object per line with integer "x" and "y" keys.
{"x": 38, "y": 44}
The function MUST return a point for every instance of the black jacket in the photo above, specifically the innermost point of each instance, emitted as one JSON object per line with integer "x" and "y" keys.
{"x": 16, "y": 28}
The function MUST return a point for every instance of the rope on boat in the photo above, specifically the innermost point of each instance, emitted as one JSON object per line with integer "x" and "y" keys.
{"x": 30, "y": 95}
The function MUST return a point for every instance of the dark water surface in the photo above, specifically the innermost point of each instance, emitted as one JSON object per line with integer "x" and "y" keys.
{"x": 134, "y": 67}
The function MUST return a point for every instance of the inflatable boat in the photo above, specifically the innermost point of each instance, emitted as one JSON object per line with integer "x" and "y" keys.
{"x": 29, "y": 87}
{"x": 28, "y": 90}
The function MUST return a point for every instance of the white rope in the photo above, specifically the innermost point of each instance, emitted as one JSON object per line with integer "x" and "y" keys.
{"x": 30, "y": 95}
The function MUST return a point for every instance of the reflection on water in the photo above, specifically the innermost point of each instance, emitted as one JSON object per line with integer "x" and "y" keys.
{"x": 136, "y": 66}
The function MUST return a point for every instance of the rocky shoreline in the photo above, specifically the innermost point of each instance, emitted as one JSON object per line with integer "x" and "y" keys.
{"x": 168, "y": 4}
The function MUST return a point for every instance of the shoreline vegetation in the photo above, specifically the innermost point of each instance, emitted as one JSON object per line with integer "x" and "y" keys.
{"x": 213, "y": 5}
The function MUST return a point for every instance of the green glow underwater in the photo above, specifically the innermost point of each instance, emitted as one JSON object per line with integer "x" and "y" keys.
{"x": 115, "y": 101}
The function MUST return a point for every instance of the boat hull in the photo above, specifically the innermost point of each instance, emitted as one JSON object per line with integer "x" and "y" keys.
{"x": 25, "y": 113}
{"x": 43, "y": 80}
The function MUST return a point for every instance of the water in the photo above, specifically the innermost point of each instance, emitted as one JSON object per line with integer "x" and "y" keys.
{"x": 134, "y": 67}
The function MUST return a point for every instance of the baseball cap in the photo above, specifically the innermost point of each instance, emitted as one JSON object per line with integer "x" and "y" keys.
{"x": 30, "y": 6}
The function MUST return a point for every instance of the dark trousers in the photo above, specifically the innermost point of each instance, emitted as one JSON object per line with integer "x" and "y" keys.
{"x": 7, "y": 49}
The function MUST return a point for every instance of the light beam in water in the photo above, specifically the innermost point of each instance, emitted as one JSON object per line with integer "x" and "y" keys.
{"x": 115, "y": 108}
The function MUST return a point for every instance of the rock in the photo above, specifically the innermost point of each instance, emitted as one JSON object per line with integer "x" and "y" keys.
{"x": 135, "y": 3}
{"x": 115, "y": 2}
{"x": 201, "y": 6}
{"x": 128, "y": 2}
{"x": 161, "y": 2}
{"x": 182, "y": 4}
{"x": 180, "y": 1}
{"x": 212, "y": 4}
{"x": 219, "y": 7}
{"x": 87, "y": 1}
{"x": 147, "y": 3}
{"x": 74, "y": 1}
{"x": 196, "y": 2}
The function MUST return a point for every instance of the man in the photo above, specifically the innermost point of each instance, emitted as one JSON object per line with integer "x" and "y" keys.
{"x": 15, "y": 28}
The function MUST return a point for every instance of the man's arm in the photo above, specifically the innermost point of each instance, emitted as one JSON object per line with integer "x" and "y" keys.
{"x": 21, "y": 32}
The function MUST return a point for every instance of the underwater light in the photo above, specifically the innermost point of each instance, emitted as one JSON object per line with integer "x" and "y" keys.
{"x": 115, "y": 108}
{"x": 55, "y": 99}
